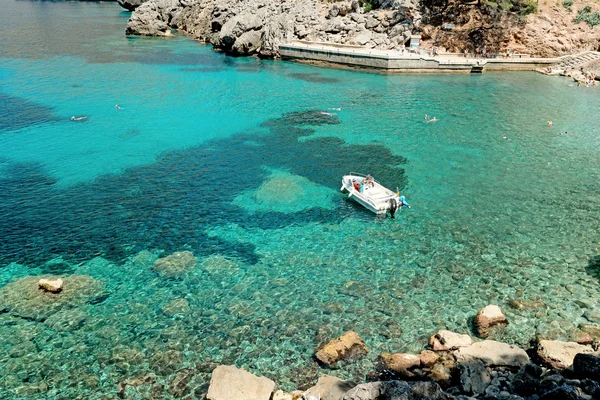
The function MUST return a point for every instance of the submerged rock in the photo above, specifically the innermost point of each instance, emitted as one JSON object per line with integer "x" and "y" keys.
{"x": 488, "y": 318}
{"x": 219, "y": 265}
{"x": 229, "y": 382}
{"x": 560, "y": 355}
{"x": 347, "y": 347}
{"x": 23, "y": 297}
{"x": 175, "y": 264}
{"x": 177, "y": 306}
{"x": 52, "y": 286}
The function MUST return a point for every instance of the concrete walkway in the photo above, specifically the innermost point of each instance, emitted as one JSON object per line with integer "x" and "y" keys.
{"x": 395, "y": 61}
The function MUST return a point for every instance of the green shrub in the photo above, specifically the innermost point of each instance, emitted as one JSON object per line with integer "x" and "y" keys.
{"x": 369, "y": 4}
{"x": 568, "y": 4}
{"x": 586, "y": 15}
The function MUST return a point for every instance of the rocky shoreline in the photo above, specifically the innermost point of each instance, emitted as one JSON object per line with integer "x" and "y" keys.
{"x": 452, "y": 366}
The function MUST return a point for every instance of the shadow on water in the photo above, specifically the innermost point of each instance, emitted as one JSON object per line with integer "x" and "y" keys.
{"x": 593, "y": 267}
{"x": 169, "y": 204}
{"x": 313, "y": 77}
{"x": 17, "y": 113}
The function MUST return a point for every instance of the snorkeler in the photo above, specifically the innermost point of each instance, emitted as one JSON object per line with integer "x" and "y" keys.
{"x": 74, "y": 118}
{"x": 118, "y": 107}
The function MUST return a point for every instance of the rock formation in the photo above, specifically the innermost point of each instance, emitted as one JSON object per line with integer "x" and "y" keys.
{"x": 347, "y": 347}
{"x": 560, "y": 355}
{"x": 487, "y": 319}
{"x": 446, "y": 340}
{"x": 229, "y": 382}
{"x": 52, "y": 286}
{"x": 24, "y": 298}
{"x": 175, "y": 264}
{"x": 130, "y": 5}
{"x": 245, "y": 27}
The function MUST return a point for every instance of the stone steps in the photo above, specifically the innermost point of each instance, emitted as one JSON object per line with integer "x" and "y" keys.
{"x": 578, "y": 60}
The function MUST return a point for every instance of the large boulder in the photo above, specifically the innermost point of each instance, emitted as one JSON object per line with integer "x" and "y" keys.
{"x": 329, "y": 388}
{"x": 175, "y": 264}
{"x": 487, "y": 319}
{"x": 130, "y": 5}
{"x": 248, "y": 43}
{"x": 51, "y": 285}
{"x": 527, "y": 381}
{"x": 447, "y": 340}
{"x": 400, "y": 363}
{"x": 228, "y": 383}
{"x": 24, "y": 298}
{"x": 493, "y": 353}
{"x": 347, "y": 347}
{"x": 148, "y": 20}
{"x": 397, "y": 390}
{"x": 235, "y": 27}
{"x": 587, "y": 366}
{"x": 560, "y": 355}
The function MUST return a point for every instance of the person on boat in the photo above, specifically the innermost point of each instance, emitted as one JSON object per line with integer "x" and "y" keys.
{"x": 368, "y": 181}
{"x": 403, "y": 202}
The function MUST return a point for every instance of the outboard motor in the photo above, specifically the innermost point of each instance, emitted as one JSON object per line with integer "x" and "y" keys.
{"x": 394, "y": 207}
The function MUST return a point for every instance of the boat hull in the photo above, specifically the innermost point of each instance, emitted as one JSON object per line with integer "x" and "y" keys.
{"x": 375, "y": 198}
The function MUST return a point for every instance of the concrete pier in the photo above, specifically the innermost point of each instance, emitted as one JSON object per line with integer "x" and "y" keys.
{"x": 395, "y": 61}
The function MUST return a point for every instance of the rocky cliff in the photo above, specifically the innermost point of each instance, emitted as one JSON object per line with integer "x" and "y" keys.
{"x": 246, "y": 27}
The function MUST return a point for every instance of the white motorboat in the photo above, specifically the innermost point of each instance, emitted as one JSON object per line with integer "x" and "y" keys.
{"x": 371, "y": 194}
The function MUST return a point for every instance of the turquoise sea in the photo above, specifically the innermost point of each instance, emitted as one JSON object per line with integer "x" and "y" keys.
{"x": 234, "y": 160}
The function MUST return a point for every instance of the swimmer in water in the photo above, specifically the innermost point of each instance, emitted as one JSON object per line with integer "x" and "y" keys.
{"x": 549, "y": 123}
{"x": 118, "y": 107}
{"x": 434, "y": 119}
{"x": 73, "y": 118}
{"x": 336, "y": 109}
{"x": 426, "y": 118}
{"x": 504, "y": 137}
{"x": 325, "y": 113}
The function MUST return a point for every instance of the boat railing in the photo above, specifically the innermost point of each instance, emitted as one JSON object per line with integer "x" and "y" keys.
{"x": 363, "y": 176}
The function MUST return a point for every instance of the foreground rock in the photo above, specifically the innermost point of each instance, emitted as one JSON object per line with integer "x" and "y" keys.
{"x": 400, "y": 363}
{"x": 587, "y": 366}
{"x": 52, "y": 286}
{"x": 489, "y": 318}
{"x": 447, "y": 340}
{"x": 329, "y": 388}
{"x": 348, "y": 347}
{"x": 176, "y": 264}
{"x": 560, "y": 355}
{"x": 23, "y": 297}
{"x": 229, "y": 382}
{"x": 392, "y": 390}
{"x": 493, "y": 353}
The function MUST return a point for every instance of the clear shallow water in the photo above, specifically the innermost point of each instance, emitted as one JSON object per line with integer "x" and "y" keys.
{"x": 191, "y": 162}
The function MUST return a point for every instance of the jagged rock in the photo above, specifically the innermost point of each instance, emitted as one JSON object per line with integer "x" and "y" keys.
{"x": 397, "y": 390}
{"x": 175, "y": 264}
{"x": 237, "y": 26}
{"x": 329, "y": 388}
{"x": 526, "y": 382}
{"x": 281, "y": 395}
{"x": 474, "y": 377}
{"x": 276, "y": 32}
{"x": 248, "y": 43}
{"x": 51, "y": 285}
{"x": 362, "y": 38}
{"x": 347, "y": 347}
{"x": 24, "y": 299}
{"x": 400, "y": 363}
{"x": 587, "y": 366}
{"x": 493, "y": 353}
{"x": 147, "y": 20}
{"x": 486, "y": 319}
{"x": 560, "y": 355}
{"x": 130, "y": 5}
{"x": 564, "y": 392}
{"x": 428, "y": 358}
{"x": 228, "y": 382}
{"x": 447, "y": 340}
